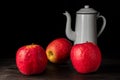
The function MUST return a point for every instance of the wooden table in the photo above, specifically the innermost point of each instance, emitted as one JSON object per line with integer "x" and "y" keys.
{"x": 109, "y": 70}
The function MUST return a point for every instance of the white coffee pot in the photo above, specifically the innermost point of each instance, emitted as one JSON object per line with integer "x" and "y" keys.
{"x": 85, "y": 27}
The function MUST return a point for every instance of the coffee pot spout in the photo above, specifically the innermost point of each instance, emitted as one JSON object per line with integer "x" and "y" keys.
{"x": 69, "y": 32}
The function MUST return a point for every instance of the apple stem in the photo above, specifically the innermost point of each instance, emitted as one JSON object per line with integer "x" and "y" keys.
{"x": 50, "y": 53}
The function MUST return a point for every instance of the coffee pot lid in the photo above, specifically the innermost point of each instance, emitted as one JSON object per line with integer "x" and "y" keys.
{"x": 86, "y": 9}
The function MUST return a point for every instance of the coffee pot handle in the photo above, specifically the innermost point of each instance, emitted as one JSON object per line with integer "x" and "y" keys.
{"x": 103, "y": 25}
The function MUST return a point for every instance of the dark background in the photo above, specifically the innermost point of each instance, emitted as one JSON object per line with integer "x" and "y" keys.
{"x": 26, "y": 22}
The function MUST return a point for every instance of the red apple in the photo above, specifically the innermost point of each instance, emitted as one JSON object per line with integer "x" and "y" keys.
{"x": 85, "y": 57}
{"x": 31, "y": 59}
{"x": 58, "y": 50}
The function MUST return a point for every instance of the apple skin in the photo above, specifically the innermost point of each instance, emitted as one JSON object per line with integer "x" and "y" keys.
{"x": 85, "y": 57}
{"x": 31, "y": 59}
{"x": 58, "y": 50}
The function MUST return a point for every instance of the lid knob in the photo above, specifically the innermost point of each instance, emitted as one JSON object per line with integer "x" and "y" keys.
{"x": 86, "y": 6}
